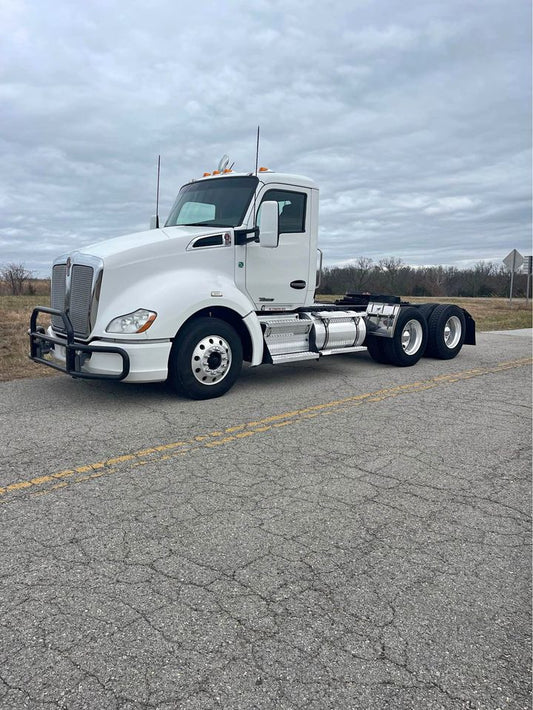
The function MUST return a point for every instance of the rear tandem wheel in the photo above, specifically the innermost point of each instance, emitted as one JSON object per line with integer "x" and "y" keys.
{"x": 447, "y": 331}
{"x": 408, "y": 343}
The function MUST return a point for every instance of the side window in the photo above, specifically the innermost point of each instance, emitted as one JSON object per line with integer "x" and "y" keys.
{"x": 291, "y": 207}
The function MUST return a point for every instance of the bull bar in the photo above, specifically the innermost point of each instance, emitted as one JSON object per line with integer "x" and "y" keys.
{"x": 40, "y": 345}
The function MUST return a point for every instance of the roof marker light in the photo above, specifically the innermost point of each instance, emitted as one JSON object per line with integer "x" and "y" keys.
{"x": 206, "y": 174}
{"x": 263, "y": 170}
{"x": 216, "y": 172}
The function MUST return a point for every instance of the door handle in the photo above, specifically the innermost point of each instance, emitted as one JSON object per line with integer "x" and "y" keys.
{"x": 298, "y": 284}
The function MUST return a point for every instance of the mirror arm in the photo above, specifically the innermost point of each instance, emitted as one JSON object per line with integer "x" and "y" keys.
{"x": 241, "y": 235}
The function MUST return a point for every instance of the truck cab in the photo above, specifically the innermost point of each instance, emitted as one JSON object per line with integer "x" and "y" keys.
{"x": 282, "y": 272}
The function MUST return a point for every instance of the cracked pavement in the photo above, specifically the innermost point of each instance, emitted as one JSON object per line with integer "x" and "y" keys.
{"x": 334, "y": 535}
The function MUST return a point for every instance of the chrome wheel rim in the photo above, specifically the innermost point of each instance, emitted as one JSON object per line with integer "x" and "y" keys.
{"x": 412, "y": 335}
{"x": 452, "y": 332}
{"x": 211, "y": 360}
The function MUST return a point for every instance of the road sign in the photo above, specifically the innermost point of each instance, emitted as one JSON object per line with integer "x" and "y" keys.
{"x": 513, "y": 261}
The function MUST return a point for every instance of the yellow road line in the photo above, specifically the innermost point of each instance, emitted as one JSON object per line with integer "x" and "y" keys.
{"x": 164, "y": 452}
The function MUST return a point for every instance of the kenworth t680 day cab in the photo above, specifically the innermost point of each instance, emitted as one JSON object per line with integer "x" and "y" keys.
{"x": 230, "y": 277}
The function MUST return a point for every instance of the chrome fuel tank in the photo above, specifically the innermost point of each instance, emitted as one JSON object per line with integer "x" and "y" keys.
{"x": 333, "y": 330}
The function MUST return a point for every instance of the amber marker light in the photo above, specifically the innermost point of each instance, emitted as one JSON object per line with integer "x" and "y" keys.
{"x": 148, "y": 323}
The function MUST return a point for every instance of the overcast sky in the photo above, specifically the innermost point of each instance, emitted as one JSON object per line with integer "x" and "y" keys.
{"x": 414, "y": 118}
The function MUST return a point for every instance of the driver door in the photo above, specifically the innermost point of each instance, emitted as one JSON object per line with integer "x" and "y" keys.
{"x": 279, "y": 276}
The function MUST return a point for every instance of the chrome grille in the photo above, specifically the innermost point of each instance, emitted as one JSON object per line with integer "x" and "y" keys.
{"x": 74, "y": 295}
{"x": 80, "y": 298}
{"x": 57, "y": 300}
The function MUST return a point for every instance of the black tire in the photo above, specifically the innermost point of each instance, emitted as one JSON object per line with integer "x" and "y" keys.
{"x": 205, "y": 360}
{"x": 447, "y": 332}
{"x": 426, "y": 309}
{"x": 375, "y": 349}
{"x": 408, "y": 343}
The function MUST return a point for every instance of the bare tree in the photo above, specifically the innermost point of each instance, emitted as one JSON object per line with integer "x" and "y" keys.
{"x": 15, "y": 276}
{"x": 439, "y": 279}
{"x": 391, "y": 267}
{"x": 361, "y": 271}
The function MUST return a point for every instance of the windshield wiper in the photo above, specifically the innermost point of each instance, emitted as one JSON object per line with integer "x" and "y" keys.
{"x": 194, "y": 224}
{"x": 206, "y": 223}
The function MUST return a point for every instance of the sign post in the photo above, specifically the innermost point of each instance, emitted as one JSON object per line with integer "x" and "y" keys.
{"x": 529, "y": 270}
{"x": 513, "y": 261}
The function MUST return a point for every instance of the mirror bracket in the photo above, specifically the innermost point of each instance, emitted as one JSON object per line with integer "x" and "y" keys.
{"x": 241, "y": 235}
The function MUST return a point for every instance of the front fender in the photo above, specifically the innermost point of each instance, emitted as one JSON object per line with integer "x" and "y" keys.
{"x": 175, "y": 297}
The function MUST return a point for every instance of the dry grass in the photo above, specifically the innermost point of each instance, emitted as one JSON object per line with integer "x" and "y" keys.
{"x": 491, "y": 313}
{"x": 15, "y": 311}
{"x": 37, "y": 287}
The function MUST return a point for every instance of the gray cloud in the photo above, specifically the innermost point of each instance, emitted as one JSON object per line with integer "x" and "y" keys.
{"x": 414, "y": 118}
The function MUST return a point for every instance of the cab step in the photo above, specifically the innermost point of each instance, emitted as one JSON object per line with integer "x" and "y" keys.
{"x": 293, "y": 357}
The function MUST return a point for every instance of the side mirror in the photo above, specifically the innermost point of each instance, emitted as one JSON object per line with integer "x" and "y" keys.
{"x": 269, "y": 230}
{"x": 154, "y": 222}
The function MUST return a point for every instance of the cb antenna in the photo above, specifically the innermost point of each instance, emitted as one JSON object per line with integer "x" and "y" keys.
{"x": 257, "y": 152}
{"x": 256, "y": 171}
{"x": 157, "y": 193}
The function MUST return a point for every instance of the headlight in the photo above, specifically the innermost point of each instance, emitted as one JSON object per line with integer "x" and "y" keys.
{"x": 136, "y": 322}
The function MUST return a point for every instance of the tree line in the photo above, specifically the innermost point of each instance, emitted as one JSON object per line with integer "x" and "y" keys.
{"x": 393, "y": 276}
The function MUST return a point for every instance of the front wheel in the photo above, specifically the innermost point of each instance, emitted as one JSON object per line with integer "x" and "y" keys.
{"x": 408, "y": 343}
{"x": 206, "y": 359}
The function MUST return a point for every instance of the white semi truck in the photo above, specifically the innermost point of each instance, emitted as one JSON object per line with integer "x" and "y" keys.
{"x": 230, "y": 277}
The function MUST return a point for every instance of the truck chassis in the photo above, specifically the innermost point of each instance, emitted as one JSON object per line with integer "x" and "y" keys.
{"x": 207, "y": 354}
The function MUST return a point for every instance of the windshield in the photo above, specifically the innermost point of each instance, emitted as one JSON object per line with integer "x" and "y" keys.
{"x": 216, "y": 203}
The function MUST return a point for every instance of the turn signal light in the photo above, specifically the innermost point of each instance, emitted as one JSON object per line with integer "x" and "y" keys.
{"x": 263, "y": 170}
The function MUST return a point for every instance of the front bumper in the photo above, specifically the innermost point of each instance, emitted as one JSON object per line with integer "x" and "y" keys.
{"x": 75, "y": 354}
{"x": 143, "y": 361}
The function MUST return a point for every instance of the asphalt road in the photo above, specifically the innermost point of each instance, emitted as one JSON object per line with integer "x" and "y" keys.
{"x": 334, "y": 535}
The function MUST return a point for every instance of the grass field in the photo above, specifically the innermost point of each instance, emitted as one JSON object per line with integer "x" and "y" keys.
{"x": 15, "y": 311}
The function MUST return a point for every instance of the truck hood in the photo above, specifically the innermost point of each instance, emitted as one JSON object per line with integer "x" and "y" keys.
{"x": 132, "y": 246}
